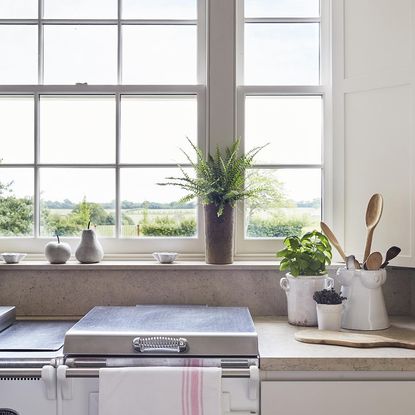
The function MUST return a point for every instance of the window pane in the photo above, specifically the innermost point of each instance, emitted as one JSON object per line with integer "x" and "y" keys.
{"x": 289, "y": 204}
{"x": 150, "y": 210}
{"x": 72, "y": 197}
{"x": 282, "y": 54}
{"x": 159, "y": 54}
{"x": 18, "y": 9}
{"x": 16, "y": 129}
{"x": 80, "y": 9}
{"x": 77, "y": 129}
{"x": 282, "y": 8}
{"x": 291, "y": 125}
{"x": 153, "y": 129}
{"x": 18, "y": 54}
{"x": 16, "y": 202}
{"x": 159, "y": 9}
{"x": 80, "y": 54}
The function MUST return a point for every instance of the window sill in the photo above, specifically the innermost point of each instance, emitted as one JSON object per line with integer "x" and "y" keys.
{"x": 147, "y": 265}
{"x": 141, "y": 265}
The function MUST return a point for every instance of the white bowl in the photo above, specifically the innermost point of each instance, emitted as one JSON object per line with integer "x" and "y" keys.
{"x": 165, "y": 257}
{"x": 12, "y": 257}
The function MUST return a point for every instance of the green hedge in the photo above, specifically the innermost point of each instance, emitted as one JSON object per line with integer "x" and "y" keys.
{"x": 169, "y": 227}
{"x": 275, "y": 228}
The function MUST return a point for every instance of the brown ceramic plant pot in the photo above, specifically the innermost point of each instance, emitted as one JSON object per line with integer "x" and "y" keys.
{"x": 219, "y": 234}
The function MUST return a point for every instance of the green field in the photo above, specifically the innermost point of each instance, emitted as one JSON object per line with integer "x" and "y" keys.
{"x": 182, "y": 222}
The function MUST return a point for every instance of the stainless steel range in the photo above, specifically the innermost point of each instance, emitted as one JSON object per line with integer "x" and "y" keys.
{"x": 223, "y": 337}
{"x": 28, "y": 355}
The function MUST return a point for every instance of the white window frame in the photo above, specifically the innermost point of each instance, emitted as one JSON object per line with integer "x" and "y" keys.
{"x": 265, "y": 248}
{"x": 220, "y": 96}
{"x": 117, "y": 247}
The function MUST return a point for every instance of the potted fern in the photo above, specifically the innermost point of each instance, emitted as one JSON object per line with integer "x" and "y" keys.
{"x": 219, "y": 183}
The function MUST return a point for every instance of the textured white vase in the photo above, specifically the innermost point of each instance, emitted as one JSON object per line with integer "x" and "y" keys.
{"x": 89, "y": 250}
{"x": 329, "y": 316}
{"x": 300, "y": 303}
{"x": 365, "y": 307}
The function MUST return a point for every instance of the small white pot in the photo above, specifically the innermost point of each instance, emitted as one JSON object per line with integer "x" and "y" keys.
{"x": 329, "y": 316}
{"x": 300, "y": 303}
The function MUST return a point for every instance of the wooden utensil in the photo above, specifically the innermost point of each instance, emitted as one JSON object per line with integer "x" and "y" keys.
{"x": 391, "y": 253}
{"x": 373, "y": 215}
{"x": 330, "y": 235}
{"x": 392, "y": 337}
{"x": 373, "y": 261}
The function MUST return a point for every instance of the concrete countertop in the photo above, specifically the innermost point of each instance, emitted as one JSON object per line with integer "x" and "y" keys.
{"x": 279, "y": 351}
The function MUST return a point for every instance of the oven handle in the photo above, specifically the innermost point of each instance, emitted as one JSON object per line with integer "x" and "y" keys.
{"x": 83, "y": 372}
{"x": 20, "y": 372}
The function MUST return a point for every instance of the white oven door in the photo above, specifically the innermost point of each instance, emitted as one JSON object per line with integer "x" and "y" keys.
{"x": 31, "y": 394}
{"x": 79, "y": 396}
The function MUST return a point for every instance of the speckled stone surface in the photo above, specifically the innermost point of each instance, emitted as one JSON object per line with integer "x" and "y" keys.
{"x": 279, "y": 351}
{"x": 73, "y": 289}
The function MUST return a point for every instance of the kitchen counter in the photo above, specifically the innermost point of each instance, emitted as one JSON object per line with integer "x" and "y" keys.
{"x": 279, "y": 351}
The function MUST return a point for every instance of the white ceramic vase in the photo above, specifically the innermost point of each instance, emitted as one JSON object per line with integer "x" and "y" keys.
{"x": 89, "y": 250}
{"x": 329, "y": 316}
{"x": 365, "y": 307}
{"x": 300, "y": 303}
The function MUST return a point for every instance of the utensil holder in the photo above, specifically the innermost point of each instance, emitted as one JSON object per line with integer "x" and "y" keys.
{"x": 365, "y": 307}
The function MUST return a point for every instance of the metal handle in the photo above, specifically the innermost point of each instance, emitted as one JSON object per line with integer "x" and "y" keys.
{"x": 94, "y": 373}
{"x": 21, "y": 372}
{"x": 160, "y": 344}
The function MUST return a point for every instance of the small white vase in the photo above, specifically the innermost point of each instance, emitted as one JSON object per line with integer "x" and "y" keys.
{"x": 329, "y": 316}
{"x": 299, "y": 291}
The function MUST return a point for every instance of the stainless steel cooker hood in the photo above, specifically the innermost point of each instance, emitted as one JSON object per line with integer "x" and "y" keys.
{"x": 163, "y": 330}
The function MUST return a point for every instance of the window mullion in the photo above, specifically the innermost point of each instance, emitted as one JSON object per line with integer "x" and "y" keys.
{"x": 40, "y": 43}
{"x": 119, "y": 43}
{"x": 36, "y": 201}
{"x": 118, "y": 222}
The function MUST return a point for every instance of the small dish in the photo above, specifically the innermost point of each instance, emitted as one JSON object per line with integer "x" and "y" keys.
{"x": 165, "y": 257}
{"x": 13, "y": 257}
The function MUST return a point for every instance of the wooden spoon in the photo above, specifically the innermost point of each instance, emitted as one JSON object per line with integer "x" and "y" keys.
{"x": 391, "y": 253}
{"x": 330, "y": 235}
{"x": 373, "y": 215}
{"x": 374, "y": 261}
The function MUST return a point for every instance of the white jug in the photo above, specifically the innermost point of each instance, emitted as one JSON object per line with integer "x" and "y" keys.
{"x": 299, "y": 291}
{"x": 365, "y": 307}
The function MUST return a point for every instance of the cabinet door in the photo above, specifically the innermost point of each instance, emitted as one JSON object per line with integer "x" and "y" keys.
{"x": 374, "y": 109}
{"x": 339, "y": 398}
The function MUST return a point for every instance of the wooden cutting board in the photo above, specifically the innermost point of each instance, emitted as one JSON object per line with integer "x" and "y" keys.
{"x": 392, "y": 337}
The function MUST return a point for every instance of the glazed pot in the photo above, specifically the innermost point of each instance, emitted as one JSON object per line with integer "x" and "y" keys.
{"x": 365, "y": 307}
{"x": 299, "y": 291}
{"x": 329, "y": 316}
{"x": 219, "y": 234}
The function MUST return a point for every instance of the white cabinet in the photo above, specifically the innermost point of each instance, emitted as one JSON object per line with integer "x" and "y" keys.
{"x": 374, "y": 112}
{"x": 337, "y": 397}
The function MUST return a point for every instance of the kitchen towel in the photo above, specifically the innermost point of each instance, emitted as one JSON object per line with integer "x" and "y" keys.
{"x": 160, "y": 391}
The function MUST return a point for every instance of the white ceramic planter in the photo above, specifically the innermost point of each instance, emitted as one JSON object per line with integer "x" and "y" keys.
{"x": 300, "y": 303}
{"x": 329, "y": 316}
{"x": 365, "y": 307}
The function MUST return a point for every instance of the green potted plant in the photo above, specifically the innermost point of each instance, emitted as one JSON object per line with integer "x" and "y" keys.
{"x": 219, "y": 183}
{"x": 329, "y": 305}
{"x": 305, "y": 259}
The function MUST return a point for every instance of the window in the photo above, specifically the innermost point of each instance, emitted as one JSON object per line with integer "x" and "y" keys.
{"x": 96, "y": 98}
{"x": 282, "y": 94}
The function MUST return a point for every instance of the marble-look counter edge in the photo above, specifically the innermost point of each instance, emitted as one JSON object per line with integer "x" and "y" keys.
{"x": 279, "y": 351}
